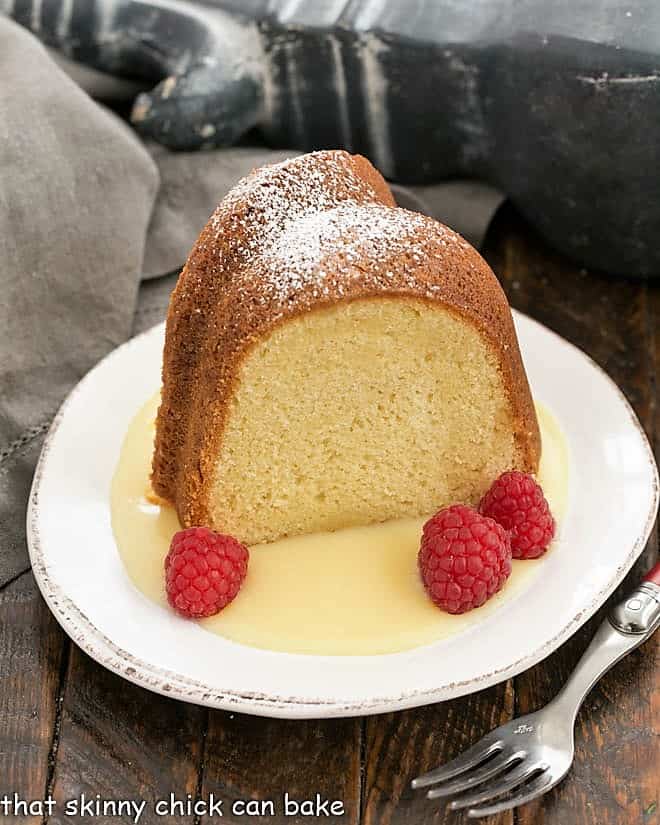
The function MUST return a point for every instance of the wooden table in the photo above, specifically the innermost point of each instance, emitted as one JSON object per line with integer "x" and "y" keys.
{"x": 68, "y": 726}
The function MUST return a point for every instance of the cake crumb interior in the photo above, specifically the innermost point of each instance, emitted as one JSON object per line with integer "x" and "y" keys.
{"x": 358, "y": 413}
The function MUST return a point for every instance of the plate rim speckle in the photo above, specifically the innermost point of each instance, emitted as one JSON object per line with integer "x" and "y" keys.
{"x": 168, "y": 682}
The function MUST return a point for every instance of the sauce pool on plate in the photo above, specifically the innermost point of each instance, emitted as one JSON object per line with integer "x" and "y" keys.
{"x": 352, "y": 592}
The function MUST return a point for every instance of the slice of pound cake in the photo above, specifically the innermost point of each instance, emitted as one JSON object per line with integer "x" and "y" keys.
{"x": 333, "y": 360}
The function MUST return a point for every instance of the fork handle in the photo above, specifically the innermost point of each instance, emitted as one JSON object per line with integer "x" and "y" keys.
{"x": 628, "y": 624}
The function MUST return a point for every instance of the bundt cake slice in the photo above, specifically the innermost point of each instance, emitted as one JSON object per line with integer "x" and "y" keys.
{"x": 333, "y": 360}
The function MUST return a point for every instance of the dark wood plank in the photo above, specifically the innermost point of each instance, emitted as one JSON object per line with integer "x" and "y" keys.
{"x": 31, "y": 649}
{"x": 614, "y": 778}
{"x": 607, "y": 317}
{"x": 247, "y": 757}
{"x": 124, "y": 743}
{"x": 403, "y": 745}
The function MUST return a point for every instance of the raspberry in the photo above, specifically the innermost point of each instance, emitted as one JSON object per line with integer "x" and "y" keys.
{"x": 517, "y": 502}
{"x": 464, "y": 558}
{"x": 203, "y": 571}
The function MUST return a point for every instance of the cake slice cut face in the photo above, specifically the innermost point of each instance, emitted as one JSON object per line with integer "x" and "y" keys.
{"x": 332, "y": 360}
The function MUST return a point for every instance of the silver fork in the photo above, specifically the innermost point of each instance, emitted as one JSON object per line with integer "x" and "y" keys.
{"x": 529, "y": 755}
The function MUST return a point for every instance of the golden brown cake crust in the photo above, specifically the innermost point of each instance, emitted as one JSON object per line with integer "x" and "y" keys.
{"x": 310, "y": 232}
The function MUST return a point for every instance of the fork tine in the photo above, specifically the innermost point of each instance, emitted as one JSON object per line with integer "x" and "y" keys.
{"x": 501, "y": 785}
{"x": 468, "y": 759}
{"x": 537, "y": 787}
{"x": 493, "y": 767}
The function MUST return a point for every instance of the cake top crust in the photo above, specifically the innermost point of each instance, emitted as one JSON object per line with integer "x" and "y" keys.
{"x": 312, "y": 231}
{"x": 323, "y": 226}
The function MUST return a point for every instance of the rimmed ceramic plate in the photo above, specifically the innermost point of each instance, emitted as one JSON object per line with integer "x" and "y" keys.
{"x": 613, "y": 501}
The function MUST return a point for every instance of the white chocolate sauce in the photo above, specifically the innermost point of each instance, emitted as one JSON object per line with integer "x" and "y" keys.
{"x": 355, "y": 591}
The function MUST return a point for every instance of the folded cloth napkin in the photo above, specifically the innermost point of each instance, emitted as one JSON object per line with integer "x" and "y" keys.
{"x": 91, "y": 222}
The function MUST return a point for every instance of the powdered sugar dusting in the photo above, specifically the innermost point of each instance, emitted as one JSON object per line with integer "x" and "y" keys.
{"x": 274, "y": 196}
{"x": 347, "y": 238}
{"x": 311, "y": 223}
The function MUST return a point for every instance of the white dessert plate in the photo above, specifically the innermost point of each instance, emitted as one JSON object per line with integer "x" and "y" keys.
{"x": 613, "y": 499}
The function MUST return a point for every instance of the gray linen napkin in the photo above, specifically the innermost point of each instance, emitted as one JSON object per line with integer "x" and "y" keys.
{"x": 88, "y": 214}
